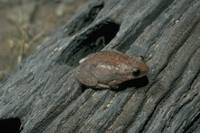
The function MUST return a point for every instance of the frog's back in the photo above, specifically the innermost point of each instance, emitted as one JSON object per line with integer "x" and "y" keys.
{"x": 111, "y": 57}
{"x": 106, "y": 65}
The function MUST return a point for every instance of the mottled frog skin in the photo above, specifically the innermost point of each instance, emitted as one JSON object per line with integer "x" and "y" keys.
{"x": 108, "y": 69}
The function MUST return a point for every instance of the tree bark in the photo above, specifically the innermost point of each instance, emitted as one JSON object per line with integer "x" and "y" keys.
{"x": 44, "y": 94}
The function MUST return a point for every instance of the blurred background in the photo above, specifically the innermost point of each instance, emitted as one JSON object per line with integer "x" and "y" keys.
{"x": 24, "y": 24}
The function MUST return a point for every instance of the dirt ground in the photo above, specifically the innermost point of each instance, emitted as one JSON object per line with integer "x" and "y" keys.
{"x": 24, "y": 24}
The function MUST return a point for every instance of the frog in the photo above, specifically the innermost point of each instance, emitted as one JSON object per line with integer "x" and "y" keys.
{"x": 110, "y": 68}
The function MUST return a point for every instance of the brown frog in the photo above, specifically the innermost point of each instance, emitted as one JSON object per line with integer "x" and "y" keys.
{"x": 108, "y": 69}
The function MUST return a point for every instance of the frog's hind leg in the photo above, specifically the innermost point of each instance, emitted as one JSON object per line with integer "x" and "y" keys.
{"x": 90, "y": 81}
{"x": 86, "y": 79}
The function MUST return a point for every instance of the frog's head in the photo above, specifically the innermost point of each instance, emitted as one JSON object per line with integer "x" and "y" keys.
{"x": 139, "y": 68}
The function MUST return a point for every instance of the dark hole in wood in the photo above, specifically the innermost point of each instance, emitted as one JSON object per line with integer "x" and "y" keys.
{"x": 10, "y": 125}
{"x": 91, "y": 41}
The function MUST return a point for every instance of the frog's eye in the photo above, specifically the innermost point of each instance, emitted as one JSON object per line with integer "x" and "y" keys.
{"x": 136, "y": 72}
{"x": 141, "y": 58}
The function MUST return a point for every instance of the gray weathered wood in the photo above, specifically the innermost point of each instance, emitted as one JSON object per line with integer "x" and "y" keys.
{"x": 46, "y": 97}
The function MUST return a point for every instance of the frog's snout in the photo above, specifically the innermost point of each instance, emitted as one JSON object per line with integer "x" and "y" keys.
{"x": 144, "y": 70}
{"x": 140, "y": 71}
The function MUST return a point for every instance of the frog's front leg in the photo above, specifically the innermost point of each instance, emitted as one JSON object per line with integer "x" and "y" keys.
{"x": 114, "y": 84}
{"x": 99, "y": 85}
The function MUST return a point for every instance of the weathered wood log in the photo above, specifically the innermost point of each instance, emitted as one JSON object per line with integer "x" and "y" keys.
{"x": 46, "y": 97}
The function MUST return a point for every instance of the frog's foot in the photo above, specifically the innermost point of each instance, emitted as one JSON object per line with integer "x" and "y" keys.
{"x": 103, "y": 86}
